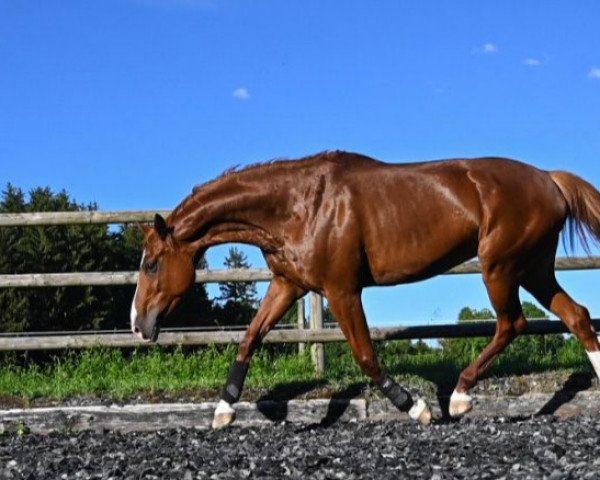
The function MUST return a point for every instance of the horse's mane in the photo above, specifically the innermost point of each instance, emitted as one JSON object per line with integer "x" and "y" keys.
{"x": 255, "y": 167}
{"x": 266, "y": 165}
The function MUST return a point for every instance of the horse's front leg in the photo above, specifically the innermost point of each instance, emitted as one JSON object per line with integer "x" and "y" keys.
{"x": 348, "y": 311}
{"x": 279, "y": 298}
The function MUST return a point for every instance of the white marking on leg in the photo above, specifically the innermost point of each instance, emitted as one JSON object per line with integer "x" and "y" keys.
{"x": 224, "y": 407}
{"x": 420, "y": 411}
{"x": 460, "y": 403}
{"x": 595, "y": 359}
{"x": 460, "y": 397}
{"x": 224, "y": 415}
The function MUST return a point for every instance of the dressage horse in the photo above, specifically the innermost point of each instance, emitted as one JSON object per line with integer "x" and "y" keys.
{"x": 337, "y": 222}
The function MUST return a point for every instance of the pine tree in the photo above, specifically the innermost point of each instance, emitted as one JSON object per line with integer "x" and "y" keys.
{"x": 238, "y": 300}
{"x": 243, "y": 293}
{"x": 47, "y": 249}
{"x": 73, "y": 248}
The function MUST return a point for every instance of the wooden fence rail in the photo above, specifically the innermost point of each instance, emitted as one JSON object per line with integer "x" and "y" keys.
{"x": 318, "y": 336}
{"x": 125, "y": 278}
{"x": 229, "y": 275}
{"x": 75, "y": 218}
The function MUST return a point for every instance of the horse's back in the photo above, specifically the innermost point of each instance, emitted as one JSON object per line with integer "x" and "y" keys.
{"x": 417, "y": 220}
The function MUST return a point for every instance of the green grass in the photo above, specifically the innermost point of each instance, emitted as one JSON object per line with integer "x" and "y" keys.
{"x": 113, "y": 373}
{"x": 119, "y": 374}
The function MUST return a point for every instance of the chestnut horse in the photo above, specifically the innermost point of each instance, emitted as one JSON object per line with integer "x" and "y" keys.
{"x": 338, "y": 222}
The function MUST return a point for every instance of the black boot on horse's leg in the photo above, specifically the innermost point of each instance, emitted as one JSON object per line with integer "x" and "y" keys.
{"x": 403, "y": 401}
{"x": 397, "y": 395}
{"x": 280, "y": 297}
{"x": 347, "y": 309}
{"x": 225, "y": 413}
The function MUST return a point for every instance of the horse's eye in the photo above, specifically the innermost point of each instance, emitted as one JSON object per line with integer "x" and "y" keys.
{"x": 151, "y": 267}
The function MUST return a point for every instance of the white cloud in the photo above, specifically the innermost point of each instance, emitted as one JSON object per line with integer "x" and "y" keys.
{"x": 594, "y": 73}
{"x": 489, "y": 48}
{"x": 241, "y": 93}
{"x": 532, "y": 62}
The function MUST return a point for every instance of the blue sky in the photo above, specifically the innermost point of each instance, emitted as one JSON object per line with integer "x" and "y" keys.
{"x": 129, "y": 103}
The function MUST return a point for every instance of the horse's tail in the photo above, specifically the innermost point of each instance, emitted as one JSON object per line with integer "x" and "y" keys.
{"x": 583, "y": 200}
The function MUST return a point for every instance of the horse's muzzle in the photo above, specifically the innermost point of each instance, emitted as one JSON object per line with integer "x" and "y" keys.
{"x": 146, "y": 328}
{"x": 150, "y": 335}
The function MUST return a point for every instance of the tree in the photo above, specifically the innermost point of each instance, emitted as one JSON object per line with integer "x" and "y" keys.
{"x": 238, "y": 300}
{"x": 53, "y": 249}
{"x": 524, "y": 346}
{"x": 238, "y": 292}
{"x": 469, "y": 314}
{"x": 468, "y": 348}
{"x": 536, "y": 345}
{"x": 69, "y": 248}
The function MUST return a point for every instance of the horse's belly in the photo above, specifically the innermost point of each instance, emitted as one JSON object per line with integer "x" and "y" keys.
{"x": 410, "y": 260}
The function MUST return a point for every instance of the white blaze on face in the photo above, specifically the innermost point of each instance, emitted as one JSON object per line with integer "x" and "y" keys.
{"x": 133, "y": 314}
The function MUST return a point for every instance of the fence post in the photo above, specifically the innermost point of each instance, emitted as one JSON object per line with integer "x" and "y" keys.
{"x": 316, "y": 322}
{"x": 301, "y": 322}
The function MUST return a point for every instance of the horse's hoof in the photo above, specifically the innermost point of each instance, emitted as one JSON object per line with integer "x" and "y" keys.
{"x": 222, "y": 420}
{"x": 224, "y": 415}
{"x": 460, "y": 403}
{"x": 420, "y": 412}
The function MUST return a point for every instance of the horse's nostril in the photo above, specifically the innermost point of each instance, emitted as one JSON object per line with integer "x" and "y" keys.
{"x": 136, "y": 330}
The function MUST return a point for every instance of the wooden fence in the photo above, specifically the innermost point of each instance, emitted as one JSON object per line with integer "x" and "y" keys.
{"x": 316, "y": 334}
{"x": 50, "y": 341}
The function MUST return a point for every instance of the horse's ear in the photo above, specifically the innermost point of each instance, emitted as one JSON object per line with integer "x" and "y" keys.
{"x": 161, "y": 227}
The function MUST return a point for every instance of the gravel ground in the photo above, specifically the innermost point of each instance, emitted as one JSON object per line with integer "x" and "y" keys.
{"x": 539, "y": 447}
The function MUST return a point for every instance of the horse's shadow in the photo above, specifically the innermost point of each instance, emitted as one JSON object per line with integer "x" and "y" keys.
{"x": 577, "y": 382}
{"x": 274, "y": 404}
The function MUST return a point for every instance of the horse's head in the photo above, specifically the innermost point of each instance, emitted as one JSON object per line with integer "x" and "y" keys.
{"x": 167, "y": 271}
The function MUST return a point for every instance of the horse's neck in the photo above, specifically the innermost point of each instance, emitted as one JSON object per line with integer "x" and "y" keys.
{"x": 227, "y": 211}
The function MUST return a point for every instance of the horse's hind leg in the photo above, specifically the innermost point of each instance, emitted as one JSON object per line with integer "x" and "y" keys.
{"x": 503, "y": 291}
{"x": 542, "y": 284}
{"x": 348, "y": 310}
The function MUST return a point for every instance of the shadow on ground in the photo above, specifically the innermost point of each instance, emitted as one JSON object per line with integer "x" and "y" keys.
{"x": 274, "y": 404}
{"x": 577, "y": 382}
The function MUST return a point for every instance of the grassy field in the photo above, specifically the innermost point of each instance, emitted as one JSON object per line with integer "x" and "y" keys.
{"x": 122, "y": 374}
